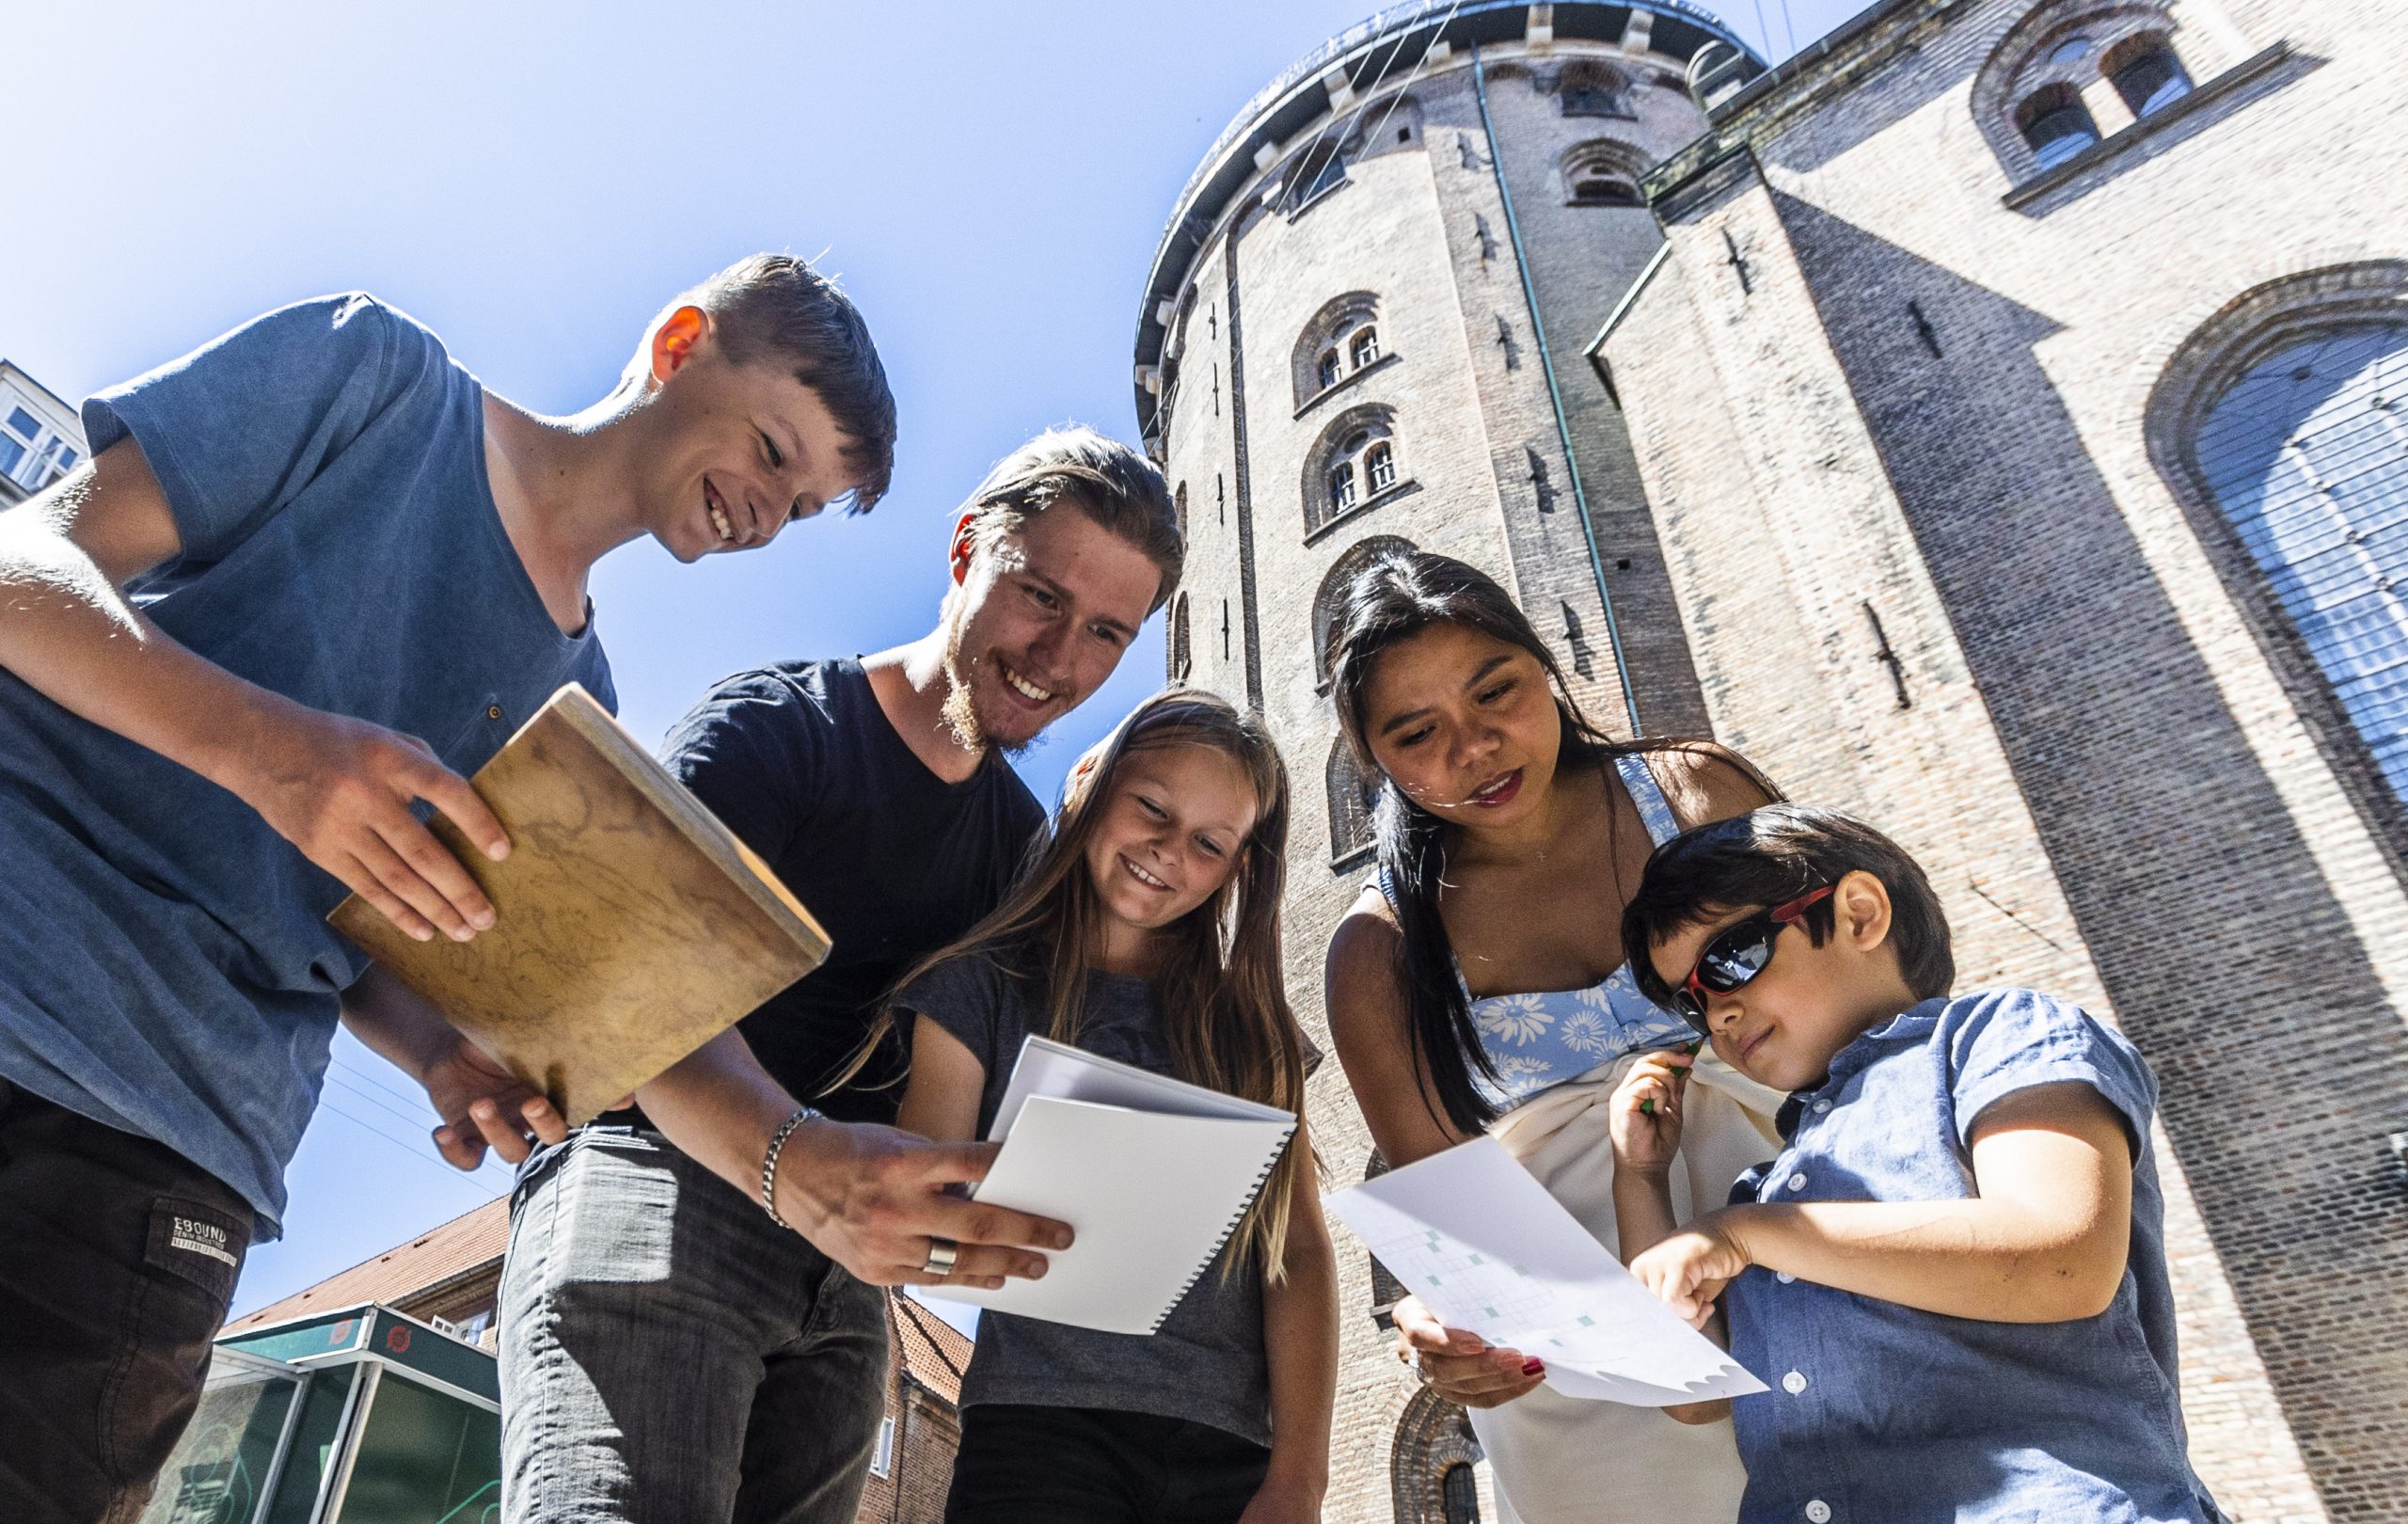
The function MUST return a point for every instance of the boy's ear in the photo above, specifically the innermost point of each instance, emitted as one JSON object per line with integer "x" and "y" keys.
{"x": 676, "y": 338}
{"x": 1861, "y": 910}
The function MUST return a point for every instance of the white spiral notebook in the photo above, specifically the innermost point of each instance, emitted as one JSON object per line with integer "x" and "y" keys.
{"x": 1153, "y": 1174}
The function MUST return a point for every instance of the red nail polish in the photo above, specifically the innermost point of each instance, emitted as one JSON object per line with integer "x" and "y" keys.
{"x": 1534, "y": 1366}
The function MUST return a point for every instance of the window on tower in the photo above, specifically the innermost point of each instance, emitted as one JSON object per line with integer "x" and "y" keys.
{"x": 1353, "y": 466}
{"x": 1341, "y": 342}
{"x": 1331, "y": 597}
{"x": 2072, "y": 74}
{"x": 1602, "y": 173}
{"x": 1379, "y": 468}
{"x": 2147, "y": 76}
{"x": 1342, "y": 487}
{"x": 2057, "y": 125}
{"x": 1590, "y": 88}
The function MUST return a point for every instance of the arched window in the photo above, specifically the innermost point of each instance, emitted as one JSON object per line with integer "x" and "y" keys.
{"x": 2056, "y": 124}
{"x": 1341, "y": 342}
{"x": 1178, "y": 505}
{"x": 1351, "y": 796}
{"x": 1353, "y": 463}
{"x": 1379, "y": 466}
{"x": 1320, "y": 169}
{"x": 2307, "y": 453}
{"x": 1181, "y": 659}
{"x": 1433, "y": 1439}
{"x": 1336, "y": 585}
{"x": 1460, "y": 1491}
{"x": 1602, "y": 173}
{"x": 2050, "y": 86}
{"x": 1589, "y": 88}
{"x": 1342, "y": 494}
{"x": 2147, "y": 75}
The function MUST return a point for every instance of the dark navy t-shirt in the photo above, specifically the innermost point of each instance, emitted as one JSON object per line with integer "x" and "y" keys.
{"x": 798, "y": 760}
{"x": 166, "y": 968}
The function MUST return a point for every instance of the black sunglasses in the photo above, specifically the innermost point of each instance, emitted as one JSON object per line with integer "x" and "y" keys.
{"x": 1736, "y": 954}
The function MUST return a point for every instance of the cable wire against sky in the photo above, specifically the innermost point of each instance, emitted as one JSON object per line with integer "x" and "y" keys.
{"x": 1338, "y": 138}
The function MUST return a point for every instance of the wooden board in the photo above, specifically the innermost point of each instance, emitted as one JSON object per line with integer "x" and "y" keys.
{"x": 631, "y": 927}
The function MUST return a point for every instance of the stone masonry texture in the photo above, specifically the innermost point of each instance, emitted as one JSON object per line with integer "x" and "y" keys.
{"x": 1888, "y": 391}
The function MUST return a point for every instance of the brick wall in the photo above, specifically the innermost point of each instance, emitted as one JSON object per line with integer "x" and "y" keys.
{"x": 1936, "y": 397}
{"x": 1420, "y": 225}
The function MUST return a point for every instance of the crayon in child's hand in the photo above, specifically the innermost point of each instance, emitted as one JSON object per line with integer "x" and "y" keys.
{"x": 1647, "y": 1107}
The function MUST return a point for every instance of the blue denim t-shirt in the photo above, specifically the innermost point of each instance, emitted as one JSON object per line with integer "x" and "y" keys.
{"x": 1882, "y": 1414}
{"x": 166, "y": 968}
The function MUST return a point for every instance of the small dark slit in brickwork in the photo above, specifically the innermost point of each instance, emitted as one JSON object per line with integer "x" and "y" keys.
{"x": 1923, "y": 330}
{"x": 1738, "y": 263}
{"x": 1578, "y": 641}
{"x": 1889, "y": 658}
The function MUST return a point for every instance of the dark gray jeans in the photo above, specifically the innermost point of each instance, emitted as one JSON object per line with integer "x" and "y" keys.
{"x": 669, "y": 1355}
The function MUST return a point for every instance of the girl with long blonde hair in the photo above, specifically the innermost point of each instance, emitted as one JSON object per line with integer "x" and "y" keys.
{"x": 1146, "y": 928}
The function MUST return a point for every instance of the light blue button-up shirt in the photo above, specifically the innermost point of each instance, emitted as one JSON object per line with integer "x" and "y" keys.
{"x": 1882, "y": 1414}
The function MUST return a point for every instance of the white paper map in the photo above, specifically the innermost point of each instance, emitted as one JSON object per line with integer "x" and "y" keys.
{"x": 1480, "y": 1240}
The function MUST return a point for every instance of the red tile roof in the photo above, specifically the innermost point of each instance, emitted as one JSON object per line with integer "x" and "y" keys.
{"x": 467, "y": 1241}
{"x": 933, "y": 1351}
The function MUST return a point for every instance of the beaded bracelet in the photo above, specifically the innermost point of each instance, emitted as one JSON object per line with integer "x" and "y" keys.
{"x": 770, "y": 1162}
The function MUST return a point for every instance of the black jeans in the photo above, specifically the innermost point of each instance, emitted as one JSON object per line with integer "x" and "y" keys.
{"x": 117, "y": 1258}
{"x": 1097, "y": 1466}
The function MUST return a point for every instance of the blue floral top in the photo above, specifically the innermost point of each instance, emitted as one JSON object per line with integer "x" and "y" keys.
{"x": 1538, "y": 1041}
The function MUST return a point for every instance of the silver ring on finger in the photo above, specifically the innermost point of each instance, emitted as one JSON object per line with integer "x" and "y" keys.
{"x": 942, "y": 1253}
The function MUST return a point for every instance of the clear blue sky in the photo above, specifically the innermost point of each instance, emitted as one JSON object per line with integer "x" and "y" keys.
{"x": 533, "y": 180}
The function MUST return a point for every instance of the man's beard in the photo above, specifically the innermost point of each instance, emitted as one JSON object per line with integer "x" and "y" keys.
{"x": 961, "y": 709}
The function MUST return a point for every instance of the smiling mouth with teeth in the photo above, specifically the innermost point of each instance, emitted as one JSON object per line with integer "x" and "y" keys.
{"x": 1142, "y": 876}
{"x": 717, "y": 511}
{"x": 1023, "y": 687}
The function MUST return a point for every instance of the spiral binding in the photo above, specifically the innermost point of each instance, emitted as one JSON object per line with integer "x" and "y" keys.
{"x": 1221, "y": 1242}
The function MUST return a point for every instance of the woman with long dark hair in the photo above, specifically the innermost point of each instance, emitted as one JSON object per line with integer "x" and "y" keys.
{"x": 1479, "y": 985}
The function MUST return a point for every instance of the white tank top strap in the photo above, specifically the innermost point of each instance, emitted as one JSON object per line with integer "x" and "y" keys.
{"x": 1654, "y": 811}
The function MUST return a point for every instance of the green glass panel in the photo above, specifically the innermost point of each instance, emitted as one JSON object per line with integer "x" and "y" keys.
{"x": 217, "y": 1470}
{"x": 426, "y": 1458}
{"x": 313, "y": 1441}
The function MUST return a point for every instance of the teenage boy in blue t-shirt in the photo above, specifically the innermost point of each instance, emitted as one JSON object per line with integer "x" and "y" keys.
{"x": 313, "y": 575}
{"x": 1954, "y": 1274}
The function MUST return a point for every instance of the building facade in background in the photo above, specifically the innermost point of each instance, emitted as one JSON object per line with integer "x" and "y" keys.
{"x": 41, "y": 439}
{"x": 372, "y": 1397}
{"x": 1993, "y": 422}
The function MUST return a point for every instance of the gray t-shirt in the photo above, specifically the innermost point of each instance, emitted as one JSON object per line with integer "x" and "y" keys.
{"x": 165, "y": 965}
{"x": 1206, "y": 1363}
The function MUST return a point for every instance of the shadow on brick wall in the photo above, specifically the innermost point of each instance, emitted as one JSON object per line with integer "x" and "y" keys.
{"x": 2229, "y": 958}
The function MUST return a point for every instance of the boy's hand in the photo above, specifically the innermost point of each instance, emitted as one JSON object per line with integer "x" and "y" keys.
{"x": 341, "y": 791}
{"x": 1688, "y": 1270}
{"x": 1458, "y": 1365}
{"x": 1644, "y": 1117}
{"x": 484, "y": 1105}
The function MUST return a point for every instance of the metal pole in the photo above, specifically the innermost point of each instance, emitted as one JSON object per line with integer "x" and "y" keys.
{"x": 1547, "y": 367}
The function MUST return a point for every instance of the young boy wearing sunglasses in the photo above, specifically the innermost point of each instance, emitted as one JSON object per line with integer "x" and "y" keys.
{"x": 1954, "y": 1274}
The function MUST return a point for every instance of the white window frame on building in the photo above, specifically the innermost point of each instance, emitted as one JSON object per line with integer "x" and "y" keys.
{"x": 41, "y": 437}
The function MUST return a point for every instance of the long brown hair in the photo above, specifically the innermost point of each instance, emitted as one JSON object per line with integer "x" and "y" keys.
{"x": 1223, "y": 997}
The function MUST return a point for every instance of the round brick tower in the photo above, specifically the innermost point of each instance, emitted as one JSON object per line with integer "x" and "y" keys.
{"x": 1368, "y": 323}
